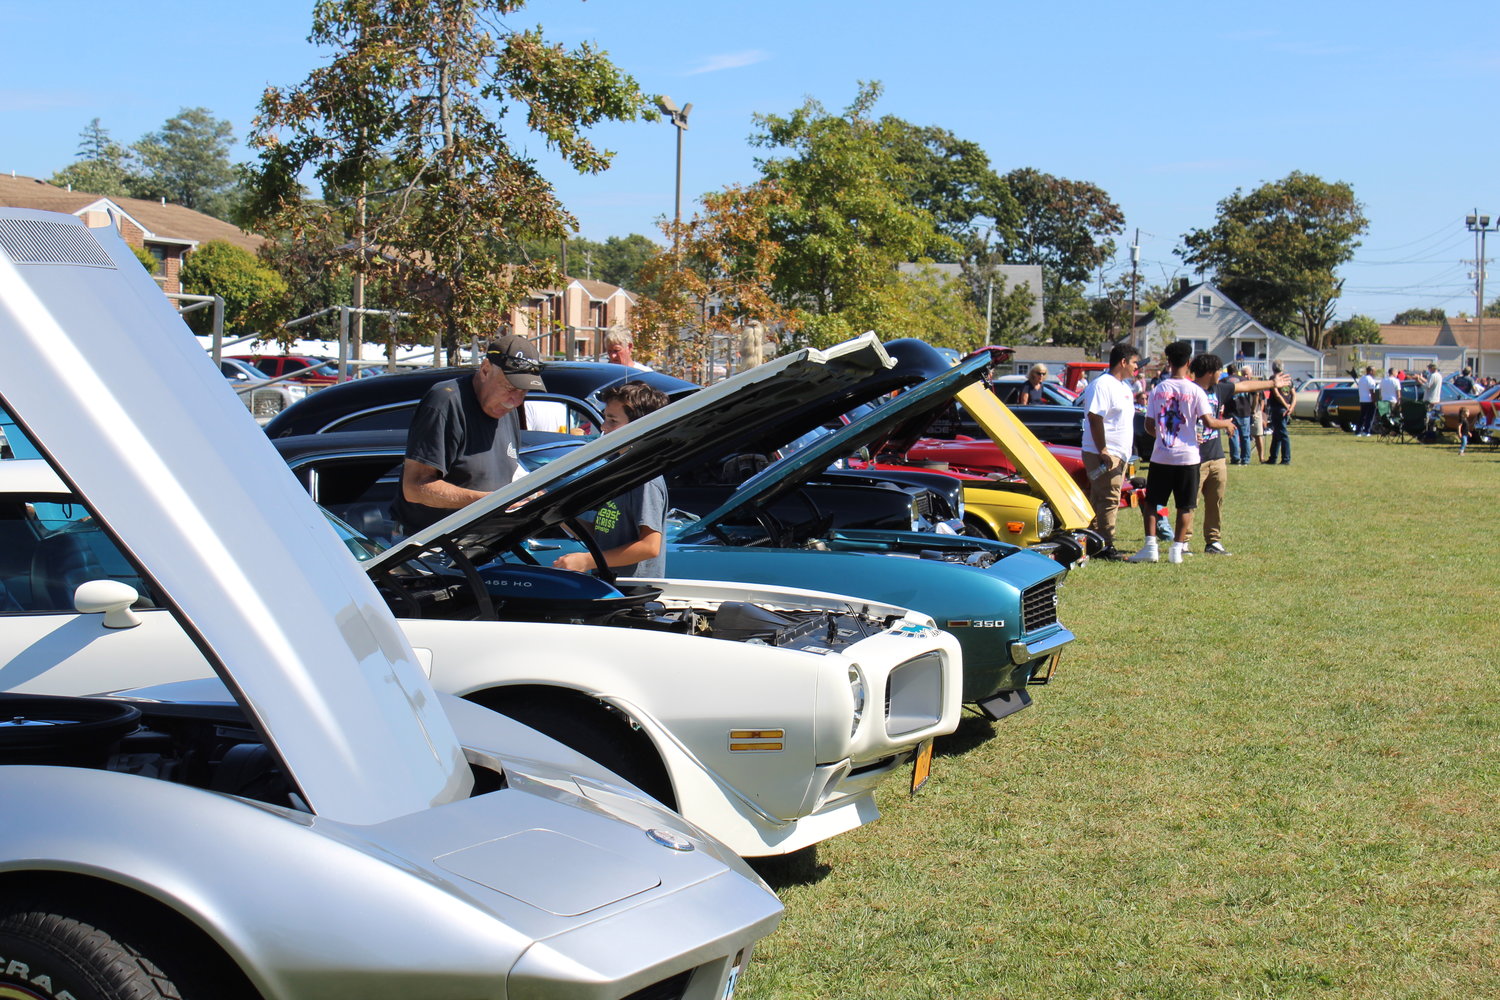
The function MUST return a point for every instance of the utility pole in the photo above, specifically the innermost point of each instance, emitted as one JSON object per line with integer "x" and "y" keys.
{"x": 1480, "y": 226}
{"x": 989, "y": 313}
{"x": 1135, "y": 265}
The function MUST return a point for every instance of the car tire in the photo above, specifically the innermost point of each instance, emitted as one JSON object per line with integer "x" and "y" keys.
{"x": 91, "y": 956}
{"x": 588, "y": 726}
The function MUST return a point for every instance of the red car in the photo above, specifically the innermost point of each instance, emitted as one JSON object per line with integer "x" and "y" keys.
{"x": 319, "y": 371}
{"x": 981, "y": 458}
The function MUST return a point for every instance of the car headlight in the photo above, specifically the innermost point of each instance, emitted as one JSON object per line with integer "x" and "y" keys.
{"x": 960, "y": 514}
{"x": 1046, "y": 521}
{"x": 857, "y": 692}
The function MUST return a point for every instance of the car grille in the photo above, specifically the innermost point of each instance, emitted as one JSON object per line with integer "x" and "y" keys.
{"x": 1039, "y": 606}
{"x": 266, "y": 402}
{"x": 925, "y": 503}
{"x": 667, "y": 989}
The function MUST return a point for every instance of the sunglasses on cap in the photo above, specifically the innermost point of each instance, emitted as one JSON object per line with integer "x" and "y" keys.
{"x": 514, "y": 364}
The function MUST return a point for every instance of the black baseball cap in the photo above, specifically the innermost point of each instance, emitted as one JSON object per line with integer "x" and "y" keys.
{"x": 518, "y": 359}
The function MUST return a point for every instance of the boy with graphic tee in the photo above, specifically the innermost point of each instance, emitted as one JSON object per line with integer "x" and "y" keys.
{"x": 1173, "y": 414}
{"x": 628, "y": 529}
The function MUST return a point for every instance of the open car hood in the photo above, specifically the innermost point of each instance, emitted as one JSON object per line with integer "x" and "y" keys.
{"x": 682, "y": 433}
{"x": 1030, "y": 457}
{"x": 902, "y": 416}
{"x": 133, "y": 416}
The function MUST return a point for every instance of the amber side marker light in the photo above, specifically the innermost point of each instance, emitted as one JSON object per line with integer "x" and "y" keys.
{"x": 756, "y": 740}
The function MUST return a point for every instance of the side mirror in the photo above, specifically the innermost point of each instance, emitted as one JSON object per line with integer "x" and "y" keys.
{"x": 110, "y": 598}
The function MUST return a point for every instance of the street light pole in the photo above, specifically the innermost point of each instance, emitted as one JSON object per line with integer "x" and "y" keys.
{"x": 1480, "y": 226}
{"x": 679, "y": 119}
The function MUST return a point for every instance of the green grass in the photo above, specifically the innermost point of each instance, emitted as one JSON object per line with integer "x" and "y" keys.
{"x": 1271, "y": 775}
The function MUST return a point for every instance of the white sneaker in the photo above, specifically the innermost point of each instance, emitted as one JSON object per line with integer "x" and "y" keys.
{"x": 1215, "y": 549}
{"x": 1148, "y": 553}
{"x": 1174, "y": 554}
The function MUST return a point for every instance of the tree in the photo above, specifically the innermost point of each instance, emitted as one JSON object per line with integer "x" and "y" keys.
{"x": 1419, "y": 317}
{"x": 713, "y": 282}
{"x": 616, "y": 261}
{"x": 102, "y": 167}
{"x": 1354, "y": 330}
{"x": 1275, "y": 250}
{"x": 254, "y": 295}
{"x": 951, "y": 180}
{"x": 1009, "y": 309}
{"x": 187, "y": 162}
{"x": 408, "y": 121}
{"x": 1064, "y": 226}
{"x": 940, "y": 310}
{"x": 847, "y": 221}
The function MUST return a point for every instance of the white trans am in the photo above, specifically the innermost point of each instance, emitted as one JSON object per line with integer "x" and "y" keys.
{"x": 765, "y": 715}
{"x": 309, "y": 818}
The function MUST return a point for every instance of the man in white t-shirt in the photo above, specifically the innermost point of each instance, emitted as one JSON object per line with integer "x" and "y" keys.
{"x": 1109, "y": 440}
{"x": 1390, "y": 396}
{"x": 1432, "y": 393}
{"x": 1367, "y": 386}
{"x": 1174, "y": 412}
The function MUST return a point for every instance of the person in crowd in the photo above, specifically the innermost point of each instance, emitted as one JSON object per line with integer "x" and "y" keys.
{"x": 1279, "y": 418}
{"x": 1464, "y": 380}
{"x": 1108, "y": 440}
{"x": 1031, "y": 390}
{"x": 619, "y": 347}
{"x": 463, "y": 438}
{"x": 1242, "y": 412}
{"x": 1174, "y": 412}
{"x": 1369, "y": 387}
{"x": 1390, "y": 392}
{"x": 1213, "y": 476}
{"x": 1258, "y": 427}
{"x": 629, "y": 529}
{"x": 1432, "y": 394}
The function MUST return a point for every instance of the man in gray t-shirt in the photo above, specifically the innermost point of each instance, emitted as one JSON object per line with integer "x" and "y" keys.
{"x": 462, "y": 443}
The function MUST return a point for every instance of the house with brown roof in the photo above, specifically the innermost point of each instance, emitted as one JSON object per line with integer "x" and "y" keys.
{"x": 1407, "y": 348}
{"x": 168, "y": 232}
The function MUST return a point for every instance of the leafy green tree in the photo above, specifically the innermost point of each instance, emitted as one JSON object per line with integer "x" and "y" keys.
{"x": 187, "y": 162}
{"x": 616, "y": 261}
{"x": 951, "y": 180}
{"x": 409, "y": 121}
{"x": 1355, "y": 330}
{"x": 847, "y": 222}
{"x": 1419, "y": 317}
{"x": 254, "y": 295}
{"x": 102, "y": 167}
{"x": 1275, "y": 250}
{"x": 940, "y": 310}
{"x": 1064, "y": 225}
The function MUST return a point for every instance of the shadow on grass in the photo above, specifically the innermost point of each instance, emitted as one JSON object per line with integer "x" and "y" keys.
{"x": 798, "y": 868}
{"x": 972, "y": 731}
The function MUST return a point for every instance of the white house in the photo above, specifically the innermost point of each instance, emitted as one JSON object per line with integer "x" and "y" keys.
{"x": 1209, "y": 320}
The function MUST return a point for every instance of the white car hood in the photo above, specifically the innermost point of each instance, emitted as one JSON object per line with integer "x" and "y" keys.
{"x": 125, "y": 405}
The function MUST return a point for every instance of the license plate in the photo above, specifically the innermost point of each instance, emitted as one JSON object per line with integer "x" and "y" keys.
{"x": 921, "y": 769}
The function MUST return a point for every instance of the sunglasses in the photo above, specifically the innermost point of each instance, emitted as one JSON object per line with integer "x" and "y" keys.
{"x": 515, "y": 364}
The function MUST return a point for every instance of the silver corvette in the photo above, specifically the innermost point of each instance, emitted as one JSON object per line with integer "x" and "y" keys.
{"x": 315, "y": 821}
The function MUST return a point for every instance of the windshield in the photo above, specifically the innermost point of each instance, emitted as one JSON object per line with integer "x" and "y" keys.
{"x": 362, "y": 547}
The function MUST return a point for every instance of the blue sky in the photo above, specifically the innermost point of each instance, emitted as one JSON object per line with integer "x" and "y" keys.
{"x": 1168, "y": 106}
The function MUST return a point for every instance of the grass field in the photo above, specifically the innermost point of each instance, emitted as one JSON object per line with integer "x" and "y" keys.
{"x": 1269, "y": 775}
